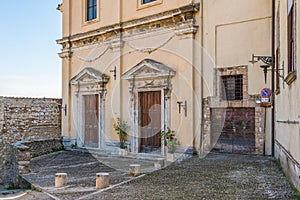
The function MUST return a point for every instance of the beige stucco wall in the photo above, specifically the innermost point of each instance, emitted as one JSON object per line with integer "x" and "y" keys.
{"x": 231, "y": 36}
{"x": 288, "y": 100}
{"x": 179, "y": 52}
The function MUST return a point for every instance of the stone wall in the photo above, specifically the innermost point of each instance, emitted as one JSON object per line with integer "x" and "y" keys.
{"x": 216, "y": 102}
{"x": 25, "y": 119}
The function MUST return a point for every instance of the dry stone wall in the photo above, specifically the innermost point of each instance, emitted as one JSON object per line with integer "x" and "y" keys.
{"x": 25, "y": 119}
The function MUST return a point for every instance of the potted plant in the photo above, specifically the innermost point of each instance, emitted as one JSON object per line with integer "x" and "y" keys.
{"x": 170, "y": 142}
{"x": 121, "y": 127}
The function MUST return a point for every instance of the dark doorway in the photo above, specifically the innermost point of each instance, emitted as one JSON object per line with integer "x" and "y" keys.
{"x": 237, "y": 130}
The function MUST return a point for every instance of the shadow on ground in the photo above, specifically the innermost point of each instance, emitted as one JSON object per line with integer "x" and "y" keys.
{"x": 218, "y": 176}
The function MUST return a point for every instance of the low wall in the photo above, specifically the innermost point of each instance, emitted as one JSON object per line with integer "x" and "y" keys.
{"x": 22, "y": 152}
{"x": 289, "y": 165}
{"x": 25, "y": 119}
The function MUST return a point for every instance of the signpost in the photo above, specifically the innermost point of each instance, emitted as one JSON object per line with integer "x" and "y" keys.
{"x": 265, "y": 94}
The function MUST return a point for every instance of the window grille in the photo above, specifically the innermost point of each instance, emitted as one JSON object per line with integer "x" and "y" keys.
{"x": 232, "y": 87}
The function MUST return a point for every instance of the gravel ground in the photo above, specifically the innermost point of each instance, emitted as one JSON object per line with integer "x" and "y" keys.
{"x": 218, "y": 176}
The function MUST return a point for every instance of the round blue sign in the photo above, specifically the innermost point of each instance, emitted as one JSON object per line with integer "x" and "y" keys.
{"x": 265, "y": 93}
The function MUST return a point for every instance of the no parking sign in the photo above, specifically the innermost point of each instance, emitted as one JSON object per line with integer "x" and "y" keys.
{"x": 265, "y": 94}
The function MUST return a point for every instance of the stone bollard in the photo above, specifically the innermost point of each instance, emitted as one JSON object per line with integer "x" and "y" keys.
{"x": 102, "y": 180}
{"x": 60, "y": 180}
{"x": 159, "y": 163}
{"x": 134, "y": 170}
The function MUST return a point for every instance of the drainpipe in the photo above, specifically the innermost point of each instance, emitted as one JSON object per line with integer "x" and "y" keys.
{"x": 273, "y": 79}
{"x": 201, "y": 78}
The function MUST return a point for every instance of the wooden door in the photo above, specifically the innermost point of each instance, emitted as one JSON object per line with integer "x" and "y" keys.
{"x": 91, "y": 128}
{"x": 238, "y": 132}
{"x": 150, "y": 121}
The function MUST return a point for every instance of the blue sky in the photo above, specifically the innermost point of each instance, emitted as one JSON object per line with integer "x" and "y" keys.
{"x": 30, "y": 66}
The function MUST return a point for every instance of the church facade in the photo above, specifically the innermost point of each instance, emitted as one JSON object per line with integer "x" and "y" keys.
{"x": 165, "y": 64}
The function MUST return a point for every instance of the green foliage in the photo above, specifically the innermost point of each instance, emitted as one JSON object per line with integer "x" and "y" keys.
{"x": 13, "y": 186}
{"x": 121, "y": 127}
{"x": 297, "y": 194}
{"x": 74, "y": 146}
{"x": 169, "y": 139}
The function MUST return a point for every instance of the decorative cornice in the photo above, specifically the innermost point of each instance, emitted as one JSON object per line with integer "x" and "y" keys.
{"x": 180, "y": 19}
{"x": 65, "y": 55}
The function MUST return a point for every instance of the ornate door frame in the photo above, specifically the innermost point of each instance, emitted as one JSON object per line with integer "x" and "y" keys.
{"x": 89, "y": 82}
{"x": 148, "y": 75}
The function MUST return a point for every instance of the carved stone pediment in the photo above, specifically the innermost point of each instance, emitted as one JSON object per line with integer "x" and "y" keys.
{"x": 89, "y": 76}
{"x": 149, "y": 70}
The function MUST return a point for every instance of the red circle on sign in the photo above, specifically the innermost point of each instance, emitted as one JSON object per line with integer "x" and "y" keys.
{"x": 265, "y": 93}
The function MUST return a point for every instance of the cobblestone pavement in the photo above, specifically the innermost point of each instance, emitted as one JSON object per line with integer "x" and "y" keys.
{"x": 218, "y": 176}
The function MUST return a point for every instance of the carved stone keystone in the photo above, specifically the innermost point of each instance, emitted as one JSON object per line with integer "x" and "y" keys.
{"x": 60, "y": 180}
{"x": 134, "y": 170}
{"x": 102, "y": 180}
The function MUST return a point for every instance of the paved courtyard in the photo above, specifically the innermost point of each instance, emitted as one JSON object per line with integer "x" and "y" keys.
{"x": 218, "y": 176}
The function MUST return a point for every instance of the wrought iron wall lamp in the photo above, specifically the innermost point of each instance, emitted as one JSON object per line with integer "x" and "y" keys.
{"x": 184, "y": 106}
{"x": 268, "y": 61}
{"x": 265, "y": 70}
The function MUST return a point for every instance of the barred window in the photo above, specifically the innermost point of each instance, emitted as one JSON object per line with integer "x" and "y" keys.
{"x": 232, "y": 88}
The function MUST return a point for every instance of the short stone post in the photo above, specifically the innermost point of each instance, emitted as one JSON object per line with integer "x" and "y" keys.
{"x": 134, "y": 170}
{"x": 60, "y": 180}
{"x": 159, "y": 163}
{"x": 102, "y": 180}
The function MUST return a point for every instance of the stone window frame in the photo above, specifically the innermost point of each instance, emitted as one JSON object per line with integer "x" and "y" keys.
{"x": 249, "y": 101}
{"x": 291, "y": 37}
{"x": 291, "y": 32}
{"x": 85, "y": 20}
{"x": 141, "y": 5}
{"x": 230, "y": 71}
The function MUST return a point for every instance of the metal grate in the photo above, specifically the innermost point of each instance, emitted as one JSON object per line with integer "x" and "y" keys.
{"x": 232, "y": 88}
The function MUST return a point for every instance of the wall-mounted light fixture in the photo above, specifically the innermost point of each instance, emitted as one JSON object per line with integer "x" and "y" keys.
{"x": 268, "y": 61}
{"x": 184, "y": 106}
{"x": 115, "y": 72}
{"x": 265, "y": 70}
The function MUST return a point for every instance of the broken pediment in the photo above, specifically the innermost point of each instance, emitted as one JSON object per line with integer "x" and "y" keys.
{"x": 149, "y": 69}
{"x": 89, "y": 76}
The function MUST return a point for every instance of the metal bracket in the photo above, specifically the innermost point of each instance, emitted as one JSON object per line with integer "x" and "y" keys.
{"x": 115, "y": 72}
{"x": 268, "y": 60}
{"x": 281, "y": 69}
{"x": 64, "y": 108}
{"x": 184, "y": 106}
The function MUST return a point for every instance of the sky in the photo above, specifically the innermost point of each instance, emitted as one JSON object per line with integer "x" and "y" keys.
{"x": 30, "y": 65}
